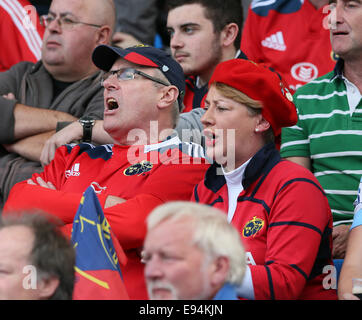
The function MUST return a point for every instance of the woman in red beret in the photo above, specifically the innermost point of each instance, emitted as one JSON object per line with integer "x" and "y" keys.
{"x": 278, "y": 207}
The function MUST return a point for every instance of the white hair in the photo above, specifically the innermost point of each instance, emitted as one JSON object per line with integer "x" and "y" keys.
{"x": 212, "y": 233}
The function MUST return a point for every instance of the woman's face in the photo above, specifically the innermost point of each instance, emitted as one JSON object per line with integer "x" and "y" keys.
{"x": 230, "y": 130}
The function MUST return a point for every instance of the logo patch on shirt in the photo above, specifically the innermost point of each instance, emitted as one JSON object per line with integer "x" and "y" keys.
{"x": 73, "y": 172}
{"x": 97, "y": 187}
{"x": 304, "y": 71}
{"x": 252, "y": 227}
{"x": 275, "y": 41}
{"x": 138, "y": 168}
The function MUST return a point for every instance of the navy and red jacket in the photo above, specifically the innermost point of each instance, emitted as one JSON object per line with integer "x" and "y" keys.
{"x": 285, "y": 223}
{"x": 145, "y": 176}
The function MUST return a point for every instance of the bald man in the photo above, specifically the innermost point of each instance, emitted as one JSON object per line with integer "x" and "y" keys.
{"x": 37, "y": 99}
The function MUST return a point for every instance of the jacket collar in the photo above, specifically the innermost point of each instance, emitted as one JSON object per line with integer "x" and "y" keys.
{"x": 261, "y": 163}
{"x": 338, "y": 70}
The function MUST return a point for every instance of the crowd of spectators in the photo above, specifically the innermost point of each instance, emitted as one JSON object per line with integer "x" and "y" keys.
{"x": 201, "y": 125}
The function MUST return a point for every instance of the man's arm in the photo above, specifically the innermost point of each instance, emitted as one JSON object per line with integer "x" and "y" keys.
{"x": 167, "y": 182}
{"x": 130, "y": 229}
{"x": 352, "y": 264}
{"x": 41, "y": 147}
{"x": 24, "y": 119}
{"x": 30, "y": 121}
{"x": 72, "y": 132}
{"x": 26, "y": 196}
{"x": 32, "y": 194}
{"x": 30, "y": 147}
{"x": 353, "y": 260}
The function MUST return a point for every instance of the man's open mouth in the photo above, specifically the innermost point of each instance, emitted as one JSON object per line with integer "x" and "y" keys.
{"x": 112, "y": 104}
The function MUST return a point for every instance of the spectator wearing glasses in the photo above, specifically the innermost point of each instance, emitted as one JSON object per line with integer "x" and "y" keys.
{"x": 203, "y": 33}
{"x": 146, "y": 166}
{"x": 37, "y": 99}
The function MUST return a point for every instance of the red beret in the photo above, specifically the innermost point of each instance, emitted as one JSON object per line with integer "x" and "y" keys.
{"x": 259, "y": 83}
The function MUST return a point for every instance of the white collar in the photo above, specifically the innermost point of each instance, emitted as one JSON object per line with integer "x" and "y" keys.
{"x": 353, "y": 95}
{"x": 235, "y": 177}
{"x": 156, "y": 146}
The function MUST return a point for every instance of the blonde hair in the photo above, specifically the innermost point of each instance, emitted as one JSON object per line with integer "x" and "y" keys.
{"x": 212, "y": 233}
{"x": 254, "y": 107}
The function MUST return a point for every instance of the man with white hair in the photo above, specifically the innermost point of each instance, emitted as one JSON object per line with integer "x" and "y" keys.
{"x": 192, "y": 252}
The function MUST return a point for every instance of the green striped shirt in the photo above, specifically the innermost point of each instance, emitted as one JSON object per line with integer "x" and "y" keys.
{"x": 331, "y": 137}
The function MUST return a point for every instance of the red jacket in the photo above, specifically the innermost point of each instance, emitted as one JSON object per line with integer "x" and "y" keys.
{"x": 20, "y": 33}
{"x": 145, "y": 176}
{"x": 285, "y": 223}
{"x": 291, "y": 36}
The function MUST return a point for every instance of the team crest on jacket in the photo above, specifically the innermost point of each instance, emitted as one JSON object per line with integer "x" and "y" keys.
{"x": 252, "y": 227}
{"x": 138, "y": 168}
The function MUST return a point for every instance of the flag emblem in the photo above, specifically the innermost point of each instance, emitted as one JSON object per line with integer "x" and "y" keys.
{"x": 138, "y": 168}
{"x": 252, "y": 227}
{"x": 98, "y": 253}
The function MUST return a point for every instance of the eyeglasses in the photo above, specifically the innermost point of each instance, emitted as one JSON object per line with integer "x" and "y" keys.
{"x": 64, "y": 21}
{"x": 126, "y": 74}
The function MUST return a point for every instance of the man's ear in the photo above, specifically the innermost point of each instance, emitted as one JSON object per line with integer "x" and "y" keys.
{"x": 47, "y": 287}
{"x": 220, "y": 271}
{"x": 104, "y": 35}
{"x": 229, "y": 34}
{"x": 168, "y": 96}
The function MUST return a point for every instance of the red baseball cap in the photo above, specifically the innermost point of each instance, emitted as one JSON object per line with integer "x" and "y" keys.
{"x": 262, "y": 84}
